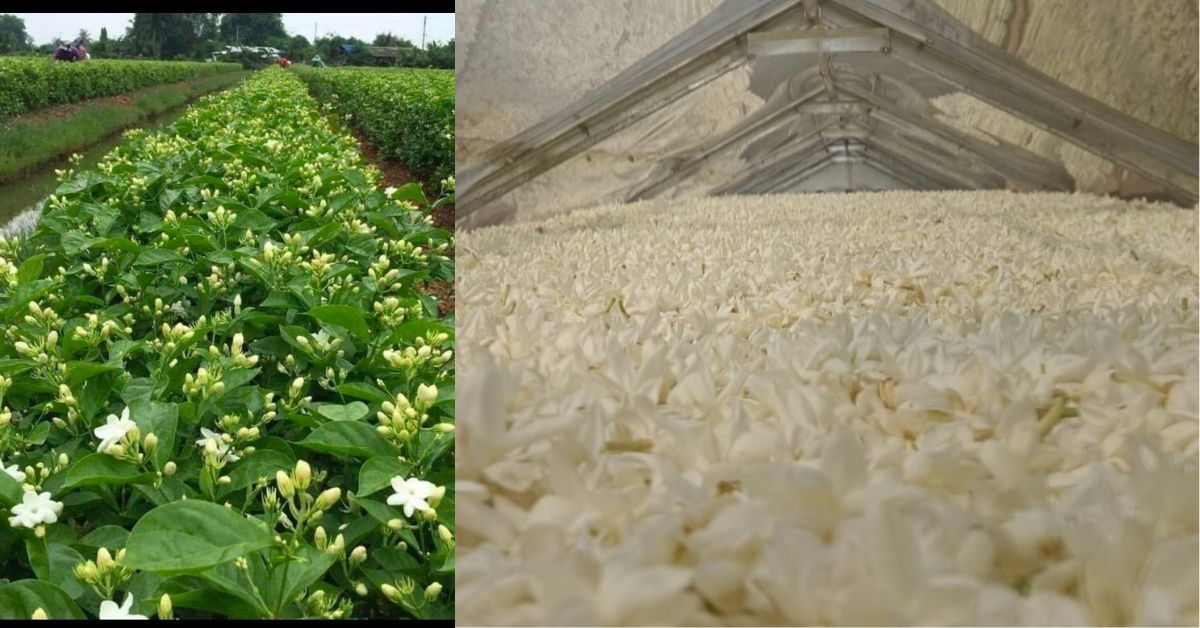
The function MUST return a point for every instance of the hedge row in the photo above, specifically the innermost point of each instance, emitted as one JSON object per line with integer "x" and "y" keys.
{"x": 28, "y": 84}
{"x": 407, "y": 113}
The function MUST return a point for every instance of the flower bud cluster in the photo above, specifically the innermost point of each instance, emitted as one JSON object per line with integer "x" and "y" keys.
{"x": 391, "y": 312}
{"x": 222, "y": 218}
{"x": 202, "y": 385}
{"x": 104, "y": 574}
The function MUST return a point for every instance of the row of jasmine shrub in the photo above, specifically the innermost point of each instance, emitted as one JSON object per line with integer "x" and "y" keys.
{"x": 407, "y": 113}
{"x": 28, "y": 84}
{"x": 222, "y": 392}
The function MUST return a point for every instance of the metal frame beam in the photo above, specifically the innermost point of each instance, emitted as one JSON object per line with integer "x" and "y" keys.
{"x": 767, "y": 118}
{"x": 926, "y": 37}
{"x": 920, "y": 35}
{"x": 629, "y": 97}
{"x": 1025, "y": 167}
{"x": 754, "y": 178}
{"x": 828, "y": 40}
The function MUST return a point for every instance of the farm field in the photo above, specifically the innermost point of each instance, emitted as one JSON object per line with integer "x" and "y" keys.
{"x": 225, "y": 391}
{"x": 27, "y": 84}
{"x": 867, "y": 409}
{"x": 408, "y": 114}
{"x": 33, "y": 139}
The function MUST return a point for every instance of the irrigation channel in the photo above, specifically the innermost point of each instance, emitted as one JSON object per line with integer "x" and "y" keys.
{"x": 20, "y": 195}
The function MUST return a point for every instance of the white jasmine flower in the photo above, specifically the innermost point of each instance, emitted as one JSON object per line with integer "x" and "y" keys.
{"x": 222, "y": 448}
{"x": 110, "y": 610}
{"x": 389, "y": 191}
{"x": 35, "y": 509}
{"x": 114, "y": 429}
{"x": 14, "y": 472}
{"x": 411, "y": 494}
{"x": 870, "y": 409}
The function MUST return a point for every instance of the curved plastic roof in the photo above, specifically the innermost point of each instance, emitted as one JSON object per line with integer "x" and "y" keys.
{"x": 807, "y": 95}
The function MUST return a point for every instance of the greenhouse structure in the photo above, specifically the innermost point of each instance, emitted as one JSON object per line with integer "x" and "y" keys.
{"x": 827, "y": 312}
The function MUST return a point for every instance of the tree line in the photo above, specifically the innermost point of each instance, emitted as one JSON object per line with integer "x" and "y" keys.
{"x": 197, "y": 36}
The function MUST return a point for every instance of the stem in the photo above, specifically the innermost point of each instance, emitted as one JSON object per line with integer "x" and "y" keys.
{"x": 283, "y": 584}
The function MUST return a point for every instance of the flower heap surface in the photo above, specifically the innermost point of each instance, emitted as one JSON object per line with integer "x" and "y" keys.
{"x": 210, "y": 344}
{"x": 973, "y": 408}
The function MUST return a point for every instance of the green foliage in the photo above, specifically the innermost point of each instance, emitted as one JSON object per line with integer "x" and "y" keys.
{"x": 241, "y": 302}
{"x": 170, "y": 35}
{"x": 252, "y": 29}
{"x": 407, "y": 113}
{"x": 13, "y": 37}
{"x": 29, "y": 143}
{"x": 27, "y": 84}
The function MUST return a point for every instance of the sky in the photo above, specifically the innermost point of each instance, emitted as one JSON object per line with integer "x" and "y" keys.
{"x": 44, "y": 27}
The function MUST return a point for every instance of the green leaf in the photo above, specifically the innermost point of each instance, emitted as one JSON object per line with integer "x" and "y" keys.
{"x": 396, "y": 561}
{"x": 155, "y": 257}
{"x": 139, "y": 388}
{"x": 252, "y": 219}
{"x": 377, "y": 473}
{"x": 39, "y": 558}
{"x": 111, "y": 537}
{"x": 192, "y": 535}
{"x": 81, "y": 371}
{"x": 229, "y": 579}
{"x": 18, "y": 600}
{"x": 56, "y": 565}
{"x": 262, "y": 463}
{"x": 382, "y": 512}
{"x": 10, "y": 490}
{"x": 143, "y": 587}
{"x": 352, "y": 411}
{"x": 103, "y": 469}
{"x": 411, "y": 192}
{"x": 407, "y": 332}
{"x": 238, "y": 377}
{"x": 74, "y": 242}
{"x": 15, "y": 365}
{"x": 309, "y": 566}
{"x": 348, "y": 438}
{"x": 363, "y": 390}
{"x": 217, "y": 602}
{"x": 342, "y": 316}
{"x": 38, "y": 434}
{"x": 161, "y": 419}
{"x": 30, "y": 269}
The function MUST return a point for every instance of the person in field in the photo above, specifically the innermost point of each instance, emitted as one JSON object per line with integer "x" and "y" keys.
{"x": 75, "y": 51}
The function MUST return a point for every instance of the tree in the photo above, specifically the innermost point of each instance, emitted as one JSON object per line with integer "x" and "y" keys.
{"x": 330, "y": 48}
{"x": 208, "y": 34}
{"x": 298, "y": 48}
{"x": 84, "y": 35}
{"x": 440, "y": 55}
{"x": 390, "y": 40}
{"x": 13, "y": 37}
{"x": 101, "y": 47}
{"x": 252, "y": 29}
{"x": 172, "y": 35}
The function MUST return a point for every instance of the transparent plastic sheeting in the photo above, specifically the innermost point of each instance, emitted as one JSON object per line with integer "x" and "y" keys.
{"x": 526, "y": 63}
{"x": 701, "y": 122}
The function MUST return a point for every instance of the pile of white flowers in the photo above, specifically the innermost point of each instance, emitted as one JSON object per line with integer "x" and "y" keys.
{"x": 972, "y": 408}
